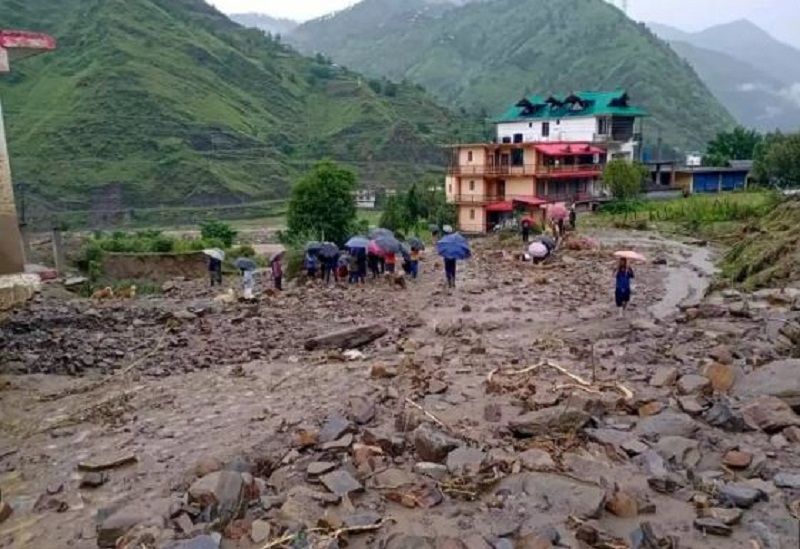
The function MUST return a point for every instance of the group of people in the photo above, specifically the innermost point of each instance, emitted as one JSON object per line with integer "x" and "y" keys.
{"x": 356, "y": 263}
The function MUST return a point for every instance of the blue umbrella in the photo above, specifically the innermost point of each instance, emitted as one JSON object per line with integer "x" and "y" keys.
{"x": 388, "y": 244}
{"x": 416, "y": 244}
{"x": 453, "y": 246}
{"x": 357, "y": 242}
{"x": 328, "y": 250}
{"x": 375, "y": 233}
{"x": 245, "y": 264}
{"x": 313, "y": 247}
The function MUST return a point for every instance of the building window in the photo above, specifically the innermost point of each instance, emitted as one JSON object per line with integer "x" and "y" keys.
{"x": 517, "y": 157}
{"x": 530, "y": 124}
{"x": 558, "y": 122}
{"x": 472, "y": 185}
{"x": 602, "y": 126}
{"x": 450, "y": 189}
{"x": 545, "y": 129}
{"x": 472, "y": 215}
{"x": 469, "y": 156}
{"x": 517, "y": 138}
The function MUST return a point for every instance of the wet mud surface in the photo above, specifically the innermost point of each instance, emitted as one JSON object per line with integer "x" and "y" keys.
{"x": 519, "y": 411}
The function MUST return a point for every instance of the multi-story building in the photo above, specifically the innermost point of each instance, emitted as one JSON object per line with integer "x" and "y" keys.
{"x": 546, "y": 150}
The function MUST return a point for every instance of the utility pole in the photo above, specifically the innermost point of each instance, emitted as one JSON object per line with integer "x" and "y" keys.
{"x": 13, "y": 45}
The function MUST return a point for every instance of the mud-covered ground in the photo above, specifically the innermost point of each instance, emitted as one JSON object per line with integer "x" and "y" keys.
{"x": 519, "y": 411}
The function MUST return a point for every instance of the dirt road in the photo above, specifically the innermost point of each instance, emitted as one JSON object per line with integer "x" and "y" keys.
{"x": 642, "y": 418}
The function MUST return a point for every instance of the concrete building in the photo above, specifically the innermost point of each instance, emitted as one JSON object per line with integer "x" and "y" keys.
{"x": 365, "y": 199}
{"x": 546, "y": 150}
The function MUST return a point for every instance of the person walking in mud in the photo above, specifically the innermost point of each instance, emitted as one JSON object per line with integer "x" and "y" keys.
{"x": 277, "y": 272}
{"x": 622, "y": 294}
{"x": 573, "y": 217}
{"x": 450, "y": 272}
{"x": 526, "y": 230}
{"x": 215, "y": 271}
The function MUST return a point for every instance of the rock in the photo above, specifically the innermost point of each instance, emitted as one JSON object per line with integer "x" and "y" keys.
{"x": 634, "y": 447}
{"x": 556, "y": 419}
{"x": 779, "y": 441}
{"x": 651, "y": 409}
{"x": 493, "y": 413}
{"x": 779, "y": 379}
{"x": 792, "y": 434}
{"x": 664, "y": 484}
{"x": 533, "y": 541}
{"x": 5, "y": 511}
{"x": 362, "y": 411}
{"x": 608, "y": 436}
{"x": 260, "y": 531}
{"x": 723, "y": 416}
{"x": 206, "y": 466}
{"x": 740, "y": 309}
{"x": 93, "y": 480}
{"x": 350, "y": 338}
{"x": 682, "y": 451}
{"x": 622, "y": 505}
{"x": 450, "y": 543}
{"x": 737, "y": 460}
{"x": 555, "y": 494}
{"x": 394, "y": 477}
{"x": 667, "y": 424}
{"x": 436, "y": 387}
{"x": 433, "y": 445}
{"x": 721, "y": 375}
{"x": 465, "y": 460}
{"x": 536, "y": 460}
{"x": 340, "y": 444}
{"x": 693, "y": 384}
{"x": 383, "y": 371}
{"x": 362, "y": 518}
{"x": 317, "y": 468}
{"x": 664, "y": 376}
{"x": 119, "y": 522}
{"x": 769, "y": 414}
{"x": 334, "y": 428}
{"x": 435, "y": 471}
{"x": 403, "y": 541}
{"x": 729, "y": 516}
{"x": 722, "y": 354}
{"x": 740, "y": 495}
{"x": 712, "y": 526}
{"x": 199, "y": 542}
{"x": 787, "y": 480}
{"x": 476, "y": 542}
{"x": 223, "y": 492}
{"x": 341, "y": 483}
{"x": 692, "y": 404}
{"x": 300, "y": 507}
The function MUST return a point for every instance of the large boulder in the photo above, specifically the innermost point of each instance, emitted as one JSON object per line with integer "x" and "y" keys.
{"x": 223, "y": 492}
{"x": 560, "y": 495}
{"x": 779, "y": 379}
{"x": 556, "y": 419}
{"x": 116, "y": 523}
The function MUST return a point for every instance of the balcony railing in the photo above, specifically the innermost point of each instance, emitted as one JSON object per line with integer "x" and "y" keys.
{"x": 481, "y": 199}
{"x": 527, "y": 169}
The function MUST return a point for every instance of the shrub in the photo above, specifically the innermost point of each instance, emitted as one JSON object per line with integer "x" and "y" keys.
{"x": 219, "y": 230}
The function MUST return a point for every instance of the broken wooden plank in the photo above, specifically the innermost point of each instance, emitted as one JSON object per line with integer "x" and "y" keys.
{"x": 350, "y": 338}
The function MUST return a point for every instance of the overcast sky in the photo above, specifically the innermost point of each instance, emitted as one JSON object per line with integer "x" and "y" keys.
{"x": 780, "y": 17}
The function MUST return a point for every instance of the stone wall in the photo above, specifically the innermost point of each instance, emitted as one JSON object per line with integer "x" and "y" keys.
{"x": 17, "y": 289}
{"x": 155, "y": 267}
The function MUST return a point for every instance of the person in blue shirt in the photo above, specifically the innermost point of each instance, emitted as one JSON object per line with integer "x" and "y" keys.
{"x": 623, "y": 291}
{"x": 311, "y": 265}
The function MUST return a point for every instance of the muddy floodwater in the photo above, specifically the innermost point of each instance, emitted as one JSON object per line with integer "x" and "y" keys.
{"x": 520, "y": 411}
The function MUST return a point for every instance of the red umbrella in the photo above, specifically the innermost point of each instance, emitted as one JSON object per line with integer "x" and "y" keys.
{"x": 630, "y": 255}
{"x": 374, "y": 249}
{"x": 557, "y": 212}
{"x": 526, "y": 220}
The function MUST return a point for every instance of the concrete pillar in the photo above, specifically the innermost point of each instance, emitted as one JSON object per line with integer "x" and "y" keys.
{"x": 12, "y": 258}
{"x": 58, "y": 253}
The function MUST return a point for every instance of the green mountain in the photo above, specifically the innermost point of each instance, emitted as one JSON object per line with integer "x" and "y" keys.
{"x": 754, "y": 75}
{"x": 272, "y": 25}
{"x": 167, "y": 102}
{"x": 487, "y": 55}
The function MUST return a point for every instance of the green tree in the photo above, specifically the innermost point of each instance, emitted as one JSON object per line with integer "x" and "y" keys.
{"x": 777, "y": 161}
{"x": 624, "y": 179}
{"x": 396, "y": 216}
{"x": 217, "y": 230}
{"x": 323, "y": 204}
{"x": 413, "y": 203}
{"x": 739, "y": 144}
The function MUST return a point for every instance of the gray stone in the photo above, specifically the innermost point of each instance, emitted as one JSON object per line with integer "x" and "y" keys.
{"x": 200, "y": 542}
{"x": 476, "y": 542}
{"x": 693, "y": 384}
{"x": 726, "y": 516}
{"x": 664, "y": 376}
{"x": 537, "y": 460}
{"x": 608, "y": 436}
{"x": 780, "y": 379}
{"x": 769, "y": 414}
{"x": 340, "y": 444}
{"x": 301, "y": 507}
{"x": 465, "y": 460}
{"x": 741, "y": 495}
{"x": 341, "y": 483}
{"x": 787, "y": 480}
{"x": 261, "y": 530}
{"x": 223, "y": 492}
{"x": 403, "y": 541}
{"x": 634, "y": 447}
{"x": 362, "y": 518}
{"x": 93, "y": 479}
{"x": 362, "y": 411}
{"x": 335, "y": 427}
{"x": 503, "y": 543}
{"x": 435, "y": 471}
{"x": 556, "y": 419}
{"x": 681, "y": 451}
{"x": 316, "y": 468}
{"x": 712, "y": 526}
{"x": 118, "y": 522}
{"x": 723, "y": 416}
{"x": 433, "y": 445}
{"x": 691, "y": 404}
{"x": 667, "y": 424}
{"x": 555, "y": 494}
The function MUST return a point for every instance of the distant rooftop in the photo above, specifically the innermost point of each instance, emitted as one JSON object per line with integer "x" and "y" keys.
{"x": 573, "y": 105}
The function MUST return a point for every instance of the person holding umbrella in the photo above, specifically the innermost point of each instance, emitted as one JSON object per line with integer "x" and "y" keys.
{"x": 573, "y": 217}
{"x": 624, "y": 275}
{"x": 277, "y": 271}
{"x": 215, "y": 258}
{"x": 451, "y": 248}
{"x": 526, "y": 228}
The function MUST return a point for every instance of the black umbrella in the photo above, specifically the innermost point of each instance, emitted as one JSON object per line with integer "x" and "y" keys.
{"x": 313, "y": 247}
{"x": 245, "y": 264}
{"x": 377, "y": 233}
{"x": 548, "y": 241}
{"x": 328, "y": 250}
{"x": 388, "y": 244}
{"x": 416, "y": 243}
